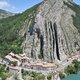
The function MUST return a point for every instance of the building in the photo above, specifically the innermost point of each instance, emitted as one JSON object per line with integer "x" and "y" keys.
{"x": 14, "y": 69}
{"x": 12, "y": 59}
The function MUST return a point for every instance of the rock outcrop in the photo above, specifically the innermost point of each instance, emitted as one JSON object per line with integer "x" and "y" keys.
{"x": 53, "y": 35}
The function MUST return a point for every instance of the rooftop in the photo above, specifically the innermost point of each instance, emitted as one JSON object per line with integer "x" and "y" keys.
{"x": 15, "y": 68}
{"x": 10, "y": 58}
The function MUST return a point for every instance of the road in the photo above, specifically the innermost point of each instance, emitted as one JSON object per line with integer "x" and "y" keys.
{"x": 58, "y": 69}
{"x": 47, "y": 71}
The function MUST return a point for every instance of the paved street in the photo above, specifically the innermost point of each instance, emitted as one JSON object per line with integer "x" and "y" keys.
{"x": 60, "y": 68}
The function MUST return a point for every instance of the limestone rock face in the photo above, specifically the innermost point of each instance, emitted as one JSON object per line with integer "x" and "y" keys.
{"x": 53, "y": 35}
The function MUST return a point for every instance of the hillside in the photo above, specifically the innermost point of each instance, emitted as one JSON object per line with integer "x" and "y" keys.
{"x": 4, "y": 14}
{"x": 12, "y": 31}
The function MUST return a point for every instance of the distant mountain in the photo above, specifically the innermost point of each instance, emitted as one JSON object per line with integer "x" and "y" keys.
{"x": 4, "y": 14}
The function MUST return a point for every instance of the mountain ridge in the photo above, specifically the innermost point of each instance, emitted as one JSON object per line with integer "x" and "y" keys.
{"x": 47, "y": 31}
{"x": 5, "y": 14}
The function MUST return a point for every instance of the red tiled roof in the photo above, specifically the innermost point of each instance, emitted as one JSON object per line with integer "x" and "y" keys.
{"x": 10, "y": 58}
{"x": 15, "y": 68}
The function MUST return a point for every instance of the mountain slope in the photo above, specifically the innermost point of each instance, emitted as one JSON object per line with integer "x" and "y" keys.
{"x": 49, "y": 31}
{"x": 4, "y": 14}
{"x": 12, "y": 31}
{"x": 56, "y": 31}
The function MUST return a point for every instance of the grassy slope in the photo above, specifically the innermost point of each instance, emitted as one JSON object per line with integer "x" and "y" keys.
{"x": 10, "y": 40}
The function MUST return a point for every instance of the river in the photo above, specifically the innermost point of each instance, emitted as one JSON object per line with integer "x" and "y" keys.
{"x": 72, "y": 77}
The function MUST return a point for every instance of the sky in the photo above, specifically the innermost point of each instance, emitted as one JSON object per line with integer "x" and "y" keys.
{"x": 18, "y": 6}
{"x": 77, "y": 1}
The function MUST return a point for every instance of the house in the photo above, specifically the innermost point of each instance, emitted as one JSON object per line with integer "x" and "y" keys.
{"x": 37, "y": 66}
{"x": 40, "y": 66}
{"x": 25, "y": 59}
{"x": 12, "y": 59}
{"x": 49, "y": 66}
{"x": 14, "y": 69}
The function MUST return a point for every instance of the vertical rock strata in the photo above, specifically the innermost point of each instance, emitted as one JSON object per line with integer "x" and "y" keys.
{"x": 53, "y": 35}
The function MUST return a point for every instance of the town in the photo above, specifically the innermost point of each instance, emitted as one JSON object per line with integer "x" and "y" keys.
{"x": 16, "y": 62}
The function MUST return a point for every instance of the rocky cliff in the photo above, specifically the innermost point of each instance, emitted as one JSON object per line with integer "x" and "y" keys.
{"x": 54, "y": 33}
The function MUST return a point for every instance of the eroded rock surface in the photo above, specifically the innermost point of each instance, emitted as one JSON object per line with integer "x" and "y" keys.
{"x": 53, "y": 34}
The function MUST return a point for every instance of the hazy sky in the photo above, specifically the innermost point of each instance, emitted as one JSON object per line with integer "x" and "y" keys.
{"x": 77, "y": 1}
{"x": 17, "y": 6}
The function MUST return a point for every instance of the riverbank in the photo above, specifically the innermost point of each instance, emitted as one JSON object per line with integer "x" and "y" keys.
{"x": 72, "y": 69}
